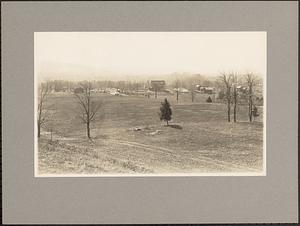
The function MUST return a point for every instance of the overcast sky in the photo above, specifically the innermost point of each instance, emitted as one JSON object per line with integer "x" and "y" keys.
{"x": 148, "y": 52}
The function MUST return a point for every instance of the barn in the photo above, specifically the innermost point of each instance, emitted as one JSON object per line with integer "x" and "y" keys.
{"x": 157, "y": 85}
{"x": 205, "y": 89}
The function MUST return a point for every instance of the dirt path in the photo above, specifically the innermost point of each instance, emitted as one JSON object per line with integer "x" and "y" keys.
{"x": 156, "y": 159}
{"x": 202, "y": 160}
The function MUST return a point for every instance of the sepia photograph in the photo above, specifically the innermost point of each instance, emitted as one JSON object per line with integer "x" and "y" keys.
{"x": 150, "y": 103}
{"x": 150, "y": 112}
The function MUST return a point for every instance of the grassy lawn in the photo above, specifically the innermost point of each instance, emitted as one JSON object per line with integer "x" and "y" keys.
{"x": 201, "y": 142}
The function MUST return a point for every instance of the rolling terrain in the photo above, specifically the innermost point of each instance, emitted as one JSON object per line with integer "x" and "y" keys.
{"x": 129, "y": 138}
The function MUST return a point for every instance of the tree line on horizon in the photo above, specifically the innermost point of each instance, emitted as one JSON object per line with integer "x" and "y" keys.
{"x": 234, "y": 87}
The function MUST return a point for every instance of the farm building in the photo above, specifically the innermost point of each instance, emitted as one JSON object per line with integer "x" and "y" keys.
{"x": 181, "y": 90}
{"x": 113, "y": 91}
{"x": 205, "y": 89}
{"x": 158, "y": 85}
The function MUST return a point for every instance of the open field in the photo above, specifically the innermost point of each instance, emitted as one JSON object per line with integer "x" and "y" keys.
{"x": 202, "y": 140}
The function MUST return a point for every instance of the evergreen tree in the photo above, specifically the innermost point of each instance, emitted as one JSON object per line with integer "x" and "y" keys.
{"x": 209, "y": 100}
{"x": 165, "y": 111}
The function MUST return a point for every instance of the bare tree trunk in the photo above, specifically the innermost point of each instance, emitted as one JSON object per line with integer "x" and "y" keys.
{"x": 167, "y": 122}
{"x": 88, "y": 130}
{"x": 177, "y": 90}
{"x": 39, "y": 130}
{"x": 42, "y": 115}
{"x": 88, "y": 112}
{"x": 234, "y": 112}
{"x": 228, "y": 102}
{"x": 227, "y": 80}
{"x": 251, "y": 81}
{"x": 235, "y": 103}
{"x": 155, "y": 93}
{"x": 250, "y": 103}
{"x": 250, "y": 109}
{"x": 228, "y": 110}
{"x": 89, "y": 108}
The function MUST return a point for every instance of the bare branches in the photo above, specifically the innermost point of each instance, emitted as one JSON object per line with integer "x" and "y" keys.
{"x": 95, "y": 107}
{"x": 42, "y": 114}
{"x": 235, "y": 95}
{"x": 43, "y": 92}
{"x": 89, "y": 107}
{"x": 82, "y": 101}
{"x": 227, "y": 80}
{"x": 251, "y": 81}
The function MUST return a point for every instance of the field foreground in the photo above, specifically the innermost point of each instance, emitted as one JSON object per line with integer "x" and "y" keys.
{"x": 128, "y": 138}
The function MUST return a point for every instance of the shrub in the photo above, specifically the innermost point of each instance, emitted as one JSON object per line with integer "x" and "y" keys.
{"x": 209, "y": 100}
{"x": 165, "y": 111}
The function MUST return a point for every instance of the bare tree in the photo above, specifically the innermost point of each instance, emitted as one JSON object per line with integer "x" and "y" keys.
{"x": 147, "y": 87}
{"x": 227, "y": 81}
{"x": 250, "y": 82}
{"x": 50, "y": 124}
{"x": 235, "y": 95}
{"x": 155, "y": 86}
{"x": 177, "y": 89}
{"x": 88, "y": 107}
{"x": 42, "y": 113}
{"x": 193, "y": 94}
{"x": 191, "y": 85}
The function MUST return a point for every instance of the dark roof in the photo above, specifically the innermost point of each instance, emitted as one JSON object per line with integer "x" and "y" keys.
{"x": 157, "y": 80}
